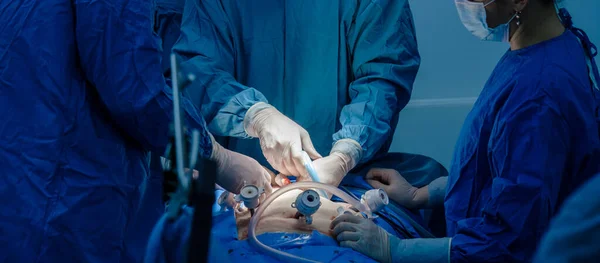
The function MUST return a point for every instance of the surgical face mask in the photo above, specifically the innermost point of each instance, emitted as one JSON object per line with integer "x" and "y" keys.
{"x": 473, "y": 16}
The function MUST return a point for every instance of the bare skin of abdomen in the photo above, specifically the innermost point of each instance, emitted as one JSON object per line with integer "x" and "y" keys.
{"x": 280, "y": 216}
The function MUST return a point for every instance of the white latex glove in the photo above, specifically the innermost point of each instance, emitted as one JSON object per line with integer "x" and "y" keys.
{"x": 397, "y": 188}
{"x": 343, "y": 157}
{"x": 331, "y": 169}
{"x": 362, "y": 235}
{"x": 281, "y": 139}
{"x": 233, "y": 169}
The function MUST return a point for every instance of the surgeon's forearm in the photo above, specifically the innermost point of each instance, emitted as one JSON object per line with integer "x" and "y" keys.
{"x": 231, "y": 116}
{"x": 385, "y": 62}
{"x": 431, "y": 195}
{"x": 351, "y": 150}
{"x": 422, "y": 250}
{"x": 222, "y": 101}
{"x": 364, "y": 122}
{"x": 206, "y": 50}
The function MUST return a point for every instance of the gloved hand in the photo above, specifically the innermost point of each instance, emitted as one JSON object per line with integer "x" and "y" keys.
{"x": 397, "y": 188}
{"x": 362, "y": 235}
{"x": 343, "y": 157}
{"x": 281, "y": 139}
{"x": 403, "y": 193}
{"x": 233, "y": 169}
{"x": 277, "y": 180}
{"x": 331, "y": 169}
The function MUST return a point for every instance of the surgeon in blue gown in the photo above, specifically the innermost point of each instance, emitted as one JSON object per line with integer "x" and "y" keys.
{"x": 530, "y": 140}
{"x": 574, "y": 234}
{"x": 325, "y": 77}
{"x": 167, "y": 19}
{"x": 83, "y": 102}
{"x": 167, "y": 25}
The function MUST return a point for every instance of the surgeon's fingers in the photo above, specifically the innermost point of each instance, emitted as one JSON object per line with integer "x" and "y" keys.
{"x": 271, "y": 173}
{"x": 276, "y": 163}
{"x": 381, "y": 175}
{"x": 304, "y": 178}
{"x": 268, "y": 189}
{"x": 267, "y": 184}
{"x": 267, "y": 193}
{"x": 308, "y": 146}
{"x": 348, "y": 244}
{"x": 272, "y": 177}
{"x": 345, "y": 218}
{"x": 298, "y": 159}
{"x": 347, "y": 236}
{"x": 274, "y": 153}
{"x": 281, "y": 180}
{"x": 377, "y": 184}
{"x": 291, "y": 163}
{"x": 343, "y": 227}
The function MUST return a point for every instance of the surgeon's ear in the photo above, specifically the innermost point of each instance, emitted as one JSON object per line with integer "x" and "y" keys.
{"x": 518, "y": 5}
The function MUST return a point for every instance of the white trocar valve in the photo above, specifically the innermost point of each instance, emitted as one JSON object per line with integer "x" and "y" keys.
{"x": 375, "y": 199}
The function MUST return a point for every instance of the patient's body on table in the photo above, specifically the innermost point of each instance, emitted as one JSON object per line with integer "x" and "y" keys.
{"x": 279, "y": 227}
{"x": 281, "y": 217}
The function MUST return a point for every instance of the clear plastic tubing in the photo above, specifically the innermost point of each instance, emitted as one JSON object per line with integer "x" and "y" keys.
{"x": 287, "y": 257}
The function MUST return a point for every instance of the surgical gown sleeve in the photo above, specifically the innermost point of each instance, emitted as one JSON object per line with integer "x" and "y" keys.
{"x": 206, "y": 46}
{"x": 527, "y": 153}
{"x": 384, "y": 62}
{"x": 574, "y": 235}
{"x": 121, "y": 58}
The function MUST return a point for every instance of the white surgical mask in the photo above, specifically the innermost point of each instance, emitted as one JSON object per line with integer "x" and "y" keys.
{"x": 473, "y": 16}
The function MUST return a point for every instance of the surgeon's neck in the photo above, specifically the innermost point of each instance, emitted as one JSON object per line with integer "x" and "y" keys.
{"x": 539, "y": 24}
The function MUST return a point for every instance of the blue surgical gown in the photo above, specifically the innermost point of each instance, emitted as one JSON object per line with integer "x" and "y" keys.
{"x": 167, "y": 23}
{"x": 82, "y": 101}
{"x": 529, "y": 141}
{"x": 574, "y": 235}
{"x": 341, "y": 68}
